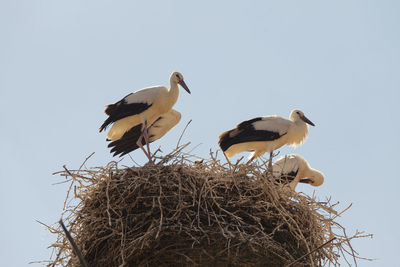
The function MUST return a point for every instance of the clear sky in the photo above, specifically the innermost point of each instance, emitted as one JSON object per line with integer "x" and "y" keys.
{"x": 61, "y": 62}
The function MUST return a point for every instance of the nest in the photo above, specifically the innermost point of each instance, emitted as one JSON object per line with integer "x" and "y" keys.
{"x": 180, "y": 213}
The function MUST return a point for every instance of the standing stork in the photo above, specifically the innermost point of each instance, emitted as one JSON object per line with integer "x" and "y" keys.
{"x": 292, "y": 169}
{"x": 265, "y": 134}
{"x": 141, "y": 109}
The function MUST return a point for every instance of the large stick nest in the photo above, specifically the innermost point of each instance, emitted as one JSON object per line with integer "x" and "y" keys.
{"x": 180, "y": 213}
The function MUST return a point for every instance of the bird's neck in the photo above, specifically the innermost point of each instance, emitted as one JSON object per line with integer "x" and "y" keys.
{"x": 173, "y": 94}
{"x": 300, "y": 124}
{"x": 303, "y": 172}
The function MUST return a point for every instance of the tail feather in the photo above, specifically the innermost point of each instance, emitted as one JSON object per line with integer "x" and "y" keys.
{"x": 225, "y": 140}
{"x": 110, "y": 109}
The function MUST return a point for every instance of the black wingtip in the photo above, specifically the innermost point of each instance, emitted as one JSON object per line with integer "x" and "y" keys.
{"x": 127, "y": 143}
{"x": 102, "y": 127}
{"x": 223, "y": 141}
{"x": 107, "y": 122}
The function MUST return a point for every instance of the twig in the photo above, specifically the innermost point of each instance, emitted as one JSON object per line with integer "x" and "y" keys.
{"x": 236, "y": 164}
{"x": 74, "y": 246}
{"x": 108, "y": 199}
{"x": 69, "y": 189}
{"x": 179, "y": 140}
{"x": 305, "y": 255}
{"x": 137, "y": 164}
{"x": 84, "y": 162}
{"x": 229, "y": 162}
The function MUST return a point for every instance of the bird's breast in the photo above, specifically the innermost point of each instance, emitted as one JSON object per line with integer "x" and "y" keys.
{"x": 297, "y": 134}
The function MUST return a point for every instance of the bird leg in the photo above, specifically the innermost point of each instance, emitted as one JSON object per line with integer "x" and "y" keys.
{"x": 139, "y": 143}
{"x": 269, "y": 169}
{"x": 146, "y": 136}
{"x": 146, "y": 139}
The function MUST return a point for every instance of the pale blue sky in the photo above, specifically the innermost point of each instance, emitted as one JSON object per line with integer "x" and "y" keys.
{"x": 61, "y": 62}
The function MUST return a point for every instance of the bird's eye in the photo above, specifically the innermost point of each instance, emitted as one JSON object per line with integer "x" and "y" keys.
{"x": 177, "y": 76}
{"x": 298, "y": 112}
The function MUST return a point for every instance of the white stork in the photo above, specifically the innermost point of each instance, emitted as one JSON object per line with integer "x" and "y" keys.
{"x": 292, "y": 169}
{"x": 128, "y": 142}
{"x": 141, "y": 109}
{"x": 265, "y": 134}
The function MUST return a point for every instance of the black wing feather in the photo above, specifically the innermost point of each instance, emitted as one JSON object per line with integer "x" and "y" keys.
{"x": 248, "y": 123}
{"x": 121, "y": 110}
{"x": 286, "y": 178}
{"x": 127, "y": 143}
{"x": 245, "y": 132}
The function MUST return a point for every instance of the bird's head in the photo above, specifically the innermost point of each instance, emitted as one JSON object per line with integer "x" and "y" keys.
{"x": 296, "y": 115}
{"x": 315, "y": 178}
{"x": 177, "y": 78}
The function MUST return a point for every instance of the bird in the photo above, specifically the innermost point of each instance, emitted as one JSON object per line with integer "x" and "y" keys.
{"x": 289, "y": 170}
{"x": 265, "y": 134}
{"x": 128, "y": 142}
{"x": 141, "y": 109}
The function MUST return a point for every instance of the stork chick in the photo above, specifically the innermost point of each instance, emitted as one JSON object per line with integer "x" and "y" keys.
{"x": 292, "y": 169}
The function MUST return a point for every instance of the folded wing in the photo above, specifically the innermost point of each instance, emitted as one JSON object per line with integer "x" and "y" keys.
{"x": 128, "y": 142}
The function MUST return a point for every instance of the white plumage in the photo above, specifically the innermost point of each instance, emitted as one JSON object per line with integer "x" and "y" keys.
{"x": 265, "y": 134}
{"x": 163, "y": 124}
{"x": 128, "y": 142}
{"x": 141, "y": 109}
{"x": 291, "y": 169}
